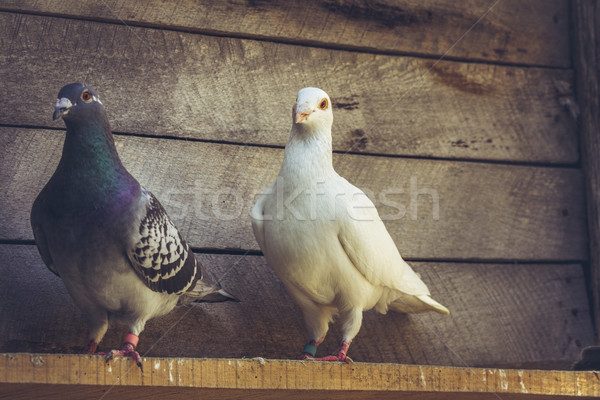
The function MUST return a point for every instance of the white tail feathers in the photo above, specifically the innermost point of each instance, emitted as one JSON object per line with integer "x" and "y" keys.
{"x": 413, "y": 304}
{"x": 435, "y": 306}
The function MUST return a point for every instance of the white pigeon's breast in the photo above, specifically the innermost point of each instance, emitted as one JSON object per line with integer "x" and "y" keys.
{"x": 304, "y": 250}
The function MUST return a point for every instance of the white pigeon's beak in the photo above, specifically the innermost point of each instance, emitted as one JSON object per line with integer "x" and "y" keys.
{"x": 61, "y": 108}
{"x": 301, "y": 112}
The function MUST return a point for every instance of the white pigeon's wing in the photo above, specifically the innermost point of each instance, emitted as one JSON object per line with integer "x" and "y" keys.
{"x": 159, "y": 254}
{"x": 257, "y": 217}
{"x": 370, "y": 247}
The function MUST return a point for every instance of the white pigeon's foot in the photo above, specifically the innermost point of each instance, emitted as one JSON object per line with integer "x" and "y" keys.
{"x": 341, "y": 356}
{"x": 309, "y": 350}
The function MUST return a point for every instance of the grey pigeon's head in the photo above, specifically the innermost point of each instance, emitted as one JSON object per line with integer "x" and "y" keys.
{"x": 77, "y": 101}
{"x": 312, "y": 108}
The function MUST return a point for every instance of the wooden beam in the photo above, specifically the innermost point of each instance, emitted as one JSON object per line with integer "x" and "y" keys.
{"x": 510, "y": 31}
{"x": 502, "y": 315}
{"x": 180, "y": 84}
{"x": 587, "y": 64}
{"x": 433, "y": 209}
{"x": 30, "y": 376}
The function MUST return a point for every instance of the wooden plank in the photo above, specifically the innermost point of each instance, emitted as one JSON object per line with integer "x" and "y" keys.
{"x": 501, "y": 315}
{"x": 433, "y": 209}
{"x": 586, "y": 15}
{"x": 514, "y": 384}
{"x": 510, "y": 31}
{"x": 217, "y": 88}
{"x": 42, "y": 392}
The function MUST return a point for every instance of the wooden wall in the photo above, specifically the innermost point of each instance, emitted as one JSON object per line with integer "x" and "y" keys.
{"x": 459, "y": 101}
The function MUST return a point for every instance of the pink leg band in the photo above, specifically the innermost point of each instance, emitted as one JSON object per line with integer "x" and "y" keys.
{"x": 131, "y": 339}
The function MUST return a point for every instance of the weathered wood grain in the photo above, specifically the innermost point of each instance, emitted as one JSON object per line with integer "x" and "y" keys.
{"x": 501, "y": 315}
{"x": 532, "y": 32}
{"x": 587, "y": 63}
{"x": 433, "y": 209}
{"x": 368, "y": 381}
{"x": 217, "y": 88}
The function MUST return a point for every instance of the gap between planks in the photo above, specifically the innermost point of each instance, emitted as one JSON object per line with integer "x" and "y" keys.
{"x": 576, "y": 165}
{"x": 258, "y": 253}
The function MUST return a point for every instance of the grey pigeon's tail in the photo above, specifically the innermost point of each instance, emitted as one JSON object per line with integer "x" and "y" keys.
{"x": 208, "y": 289}
{"x": 217, "y": 297}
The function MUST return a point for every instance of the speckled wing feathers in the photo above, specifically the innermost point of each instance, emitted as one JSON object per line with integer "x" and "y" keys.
{"x": 161, "y": 257}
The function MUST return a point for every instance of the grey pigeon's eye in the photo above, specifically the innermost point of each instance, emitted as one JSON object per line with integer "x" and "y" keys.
{"x": 323, "y": 105}
{"x": 86, "y": 96}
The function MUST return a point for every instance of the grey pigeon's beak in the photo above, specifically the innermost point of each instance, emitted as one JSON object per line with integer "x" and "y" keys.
{"x": 301, "y": 112}
{"x": 61, "y": 108}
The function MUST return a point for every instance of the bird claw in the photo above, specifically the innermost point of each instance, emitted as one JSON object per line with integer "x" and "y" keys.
{"x": 339, "y": 358}
{"x": 127, "y": 351}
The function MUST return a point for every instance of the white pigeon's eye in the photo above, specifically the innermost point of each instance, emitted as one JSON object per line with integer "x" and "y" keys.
{"x": 86, "y": 96}
{"x": 323, "y": 105}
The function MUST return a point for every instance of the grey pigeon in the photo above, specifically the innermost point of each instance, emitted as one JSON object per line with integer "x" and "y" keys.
{"x": 325, "y": 239}
{"x": 108, "y": 238}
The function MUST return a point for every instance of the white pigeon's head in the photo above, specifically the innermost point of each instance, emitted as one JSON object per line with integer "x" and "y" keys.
{"x": 312, "y": 108}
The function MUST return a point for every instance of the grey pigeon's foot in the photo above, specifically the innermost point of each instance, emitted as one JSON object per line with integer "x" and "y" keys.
{"x": 127, "y": 351}
{"x": 91, "y": 348}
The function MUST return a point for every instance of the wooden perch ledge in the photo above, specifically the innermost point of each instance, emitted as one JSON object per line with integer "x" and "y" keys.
{"x": 32, "y": 376}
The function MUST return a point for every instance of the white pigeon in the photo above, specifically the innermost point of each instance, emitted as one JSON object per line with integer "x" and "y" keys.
{"x": 324, "y": 237}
